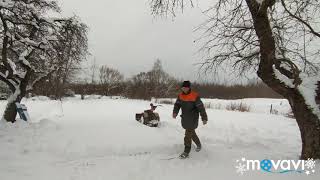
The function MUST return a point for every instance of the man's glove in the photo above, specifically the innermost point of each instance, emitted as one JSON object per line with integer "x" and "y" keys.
{"x": 174, "y": 115}
{"x": 204, "y": 122}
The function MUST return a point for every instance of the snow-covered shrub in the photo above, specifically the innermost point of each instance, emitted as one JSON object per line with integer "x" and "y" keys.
{"x": 238, "y": 107}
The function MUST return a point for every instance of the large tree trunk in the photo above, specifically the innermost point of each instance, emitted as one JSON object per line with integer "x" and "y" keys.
{"x": 309, "y": 127}
{"x": 10, "y": 112}
{"x": 307, "y": 121}
{"x": 17, "y": 95}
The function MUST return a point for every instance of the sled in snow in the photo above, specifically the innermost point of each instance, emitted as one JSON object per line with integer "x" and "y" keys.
{"x": 22, "y": 111}
{"x": 149, "y": 117}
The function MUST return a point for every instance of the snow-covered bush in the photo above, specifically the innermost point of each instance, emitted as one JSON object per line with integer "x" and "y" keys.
{"x": 238, "y": 107}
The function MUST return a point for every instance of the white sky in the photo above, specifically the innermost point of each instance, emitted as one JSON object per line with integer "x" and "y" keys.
{"x": 124, "y": 35}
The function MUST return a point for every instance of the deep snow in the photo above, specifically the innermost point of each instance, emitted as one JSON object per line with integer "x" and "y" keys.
{"x": 100, "y": 139}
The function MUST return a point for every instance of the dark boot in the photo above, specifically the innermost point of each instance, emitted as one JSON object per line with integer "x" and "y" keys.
{"x": 184, "y": 155}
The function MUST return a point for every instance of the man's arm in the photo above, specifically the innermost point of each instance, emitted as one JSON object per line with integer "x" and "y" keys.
{"x": 202, "y": 110}
{"x": 176, "y": 108}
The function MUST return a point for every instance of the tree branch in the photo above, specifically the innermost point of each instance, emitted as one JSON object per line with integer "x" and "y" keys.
{"x": 300, "y": 20}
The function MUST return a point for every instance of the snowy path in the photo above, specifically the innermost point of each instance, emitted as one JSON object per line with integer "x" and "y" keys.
{"x": 99, "y": 139}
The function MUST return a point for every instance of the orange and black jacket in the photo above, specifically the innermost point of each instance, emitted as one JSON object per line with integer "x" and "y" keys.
{"x": 191, "y": 105}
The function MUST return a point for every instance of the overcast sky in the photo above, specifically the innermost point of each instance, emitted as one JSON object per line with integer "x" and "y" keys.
{"x": 124, "y": 35}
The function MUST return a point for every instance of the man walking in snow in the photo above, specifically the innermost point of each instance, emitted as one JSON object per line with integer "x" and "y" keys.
{"x": 191, "y": 105}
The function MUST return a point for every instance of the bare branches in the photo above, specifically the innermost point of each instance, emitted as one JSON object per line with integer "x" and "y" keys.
{"x": 39, "y": 79}
{"x": 300, "y": 19}
{"x": 163, "y": 7}
{"x": 110, "y": 78}
{"x": 154, "y": 83}
{"x": 35, "y": 43}
{"x": 229, "y": 38}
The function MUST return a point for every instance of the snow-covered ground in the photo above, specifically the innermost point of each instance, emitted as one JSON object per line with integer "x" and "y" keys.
{"x": 97, "y": 139}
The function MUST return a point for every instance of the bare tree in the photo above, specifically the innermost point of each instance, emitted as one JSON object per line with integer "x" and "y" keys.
{"x": 278, "y": 39}
{"x": 154, "y": 83}
{"x": 137, "y": 87}
{"x": 72, "y": 49}
{"x": 110, "y": 78}
{"x": 160, "y": 82}
{"x": 28, "y": 38}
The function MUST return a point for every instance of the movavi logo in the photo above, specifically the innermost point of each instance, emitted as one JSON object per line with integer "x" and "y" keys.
{"x": 276, "y": 166}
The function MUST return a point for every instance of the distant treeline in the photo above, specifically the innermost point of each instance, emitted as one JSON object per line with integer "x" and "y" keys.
{"x": 251, "y": 90}
{"x": 133, "y": 90}
{"x": 144, "y": 85}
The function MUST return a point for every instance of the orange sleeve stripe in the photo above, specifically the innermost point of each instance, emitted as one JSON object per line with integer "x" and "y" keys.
{"x": 188, "y": 97}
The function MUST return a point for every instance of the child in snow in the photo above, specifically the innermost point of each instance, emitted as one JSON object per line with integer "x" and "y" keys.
{"x": 191, "y": 105}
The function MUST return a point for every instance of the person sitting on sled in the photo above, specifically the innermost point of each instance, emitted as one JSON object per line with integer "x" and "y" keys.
{"x": 191, "y": 105}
